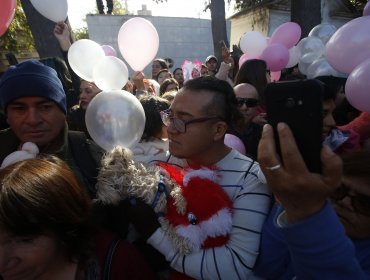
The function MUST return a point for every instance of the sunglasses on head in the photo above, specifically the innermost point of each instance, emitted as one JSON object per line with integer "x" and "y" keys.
{"x": 249, "y": 102}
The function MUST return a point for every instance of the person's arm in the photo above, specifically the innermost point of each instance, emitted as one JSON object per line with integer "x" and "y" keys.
{"x": 316, "y": 239}
{"x": 236, "y": 259}
{"x": 62, "y": 34}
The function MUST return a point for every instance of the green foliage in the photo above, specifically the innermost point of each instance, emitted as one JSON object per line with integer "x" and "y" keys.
{"x": 18, "y": 37}
{"x": 81, "y": 33}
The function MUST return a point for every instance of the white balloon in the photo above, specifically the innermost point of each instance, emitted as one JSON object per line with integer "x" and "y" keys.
{"x": 323, "y": 31}
{"x": 253, "y": 43}
{"x": 55, "y": 10}
{"x": 115, "y": 118}
{"x": 83, "y": 55}
{"x": 138, "y": 42}
{"x": 294, "y": 56}
{"x": 311, "y": 45}
{"x": 320, "y": 67}
{"x": 306, "y": 61}
{"x": 110, "y": 73}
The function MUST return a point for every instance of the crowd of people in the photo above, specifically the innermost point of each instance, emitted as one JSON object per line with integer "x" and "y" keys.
{"x": 287, "y": 222}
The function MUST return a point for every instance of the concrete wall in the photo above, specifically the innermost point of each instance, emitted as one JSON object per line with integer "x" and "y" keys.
{"x": 266, "y": 21}
{"x": 254, "y": 21}
{"x": 179, "y": 38}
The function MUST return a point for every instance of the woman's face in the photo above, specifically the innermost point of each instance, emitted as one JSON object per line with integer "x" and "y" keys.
{"x": 87, "y": 92}
{"x": 25, "y": 257}
{"x": 156, "y": 67}
{"x": 162, "y": 76}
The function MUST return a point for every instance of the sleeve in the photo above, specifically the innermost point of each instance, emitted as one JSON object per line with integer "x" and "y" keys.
{"x": 274, "y": 260}
{"x": 320, "y": 248}
{"x": 74, "y": 77}
{"x": 223, "y": 71}
{"x": 236, "y": 259}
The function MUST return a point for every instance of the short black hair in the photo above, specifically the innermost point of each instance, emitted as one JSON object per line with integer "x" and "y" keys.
{"x": 223, "y": 104}
{"x": 332, "y": 86}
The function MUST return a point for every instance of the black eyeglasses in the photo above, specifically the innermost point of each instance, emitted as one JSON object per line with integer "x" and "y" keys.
{"x": 180, "y": 124}
{"x": 249, "y": 102}
{"x": 360, "y": 202}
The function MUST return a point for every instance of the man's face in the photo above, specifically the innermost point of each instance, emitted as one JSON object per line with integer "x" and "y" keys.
{"x": 212, "y": 65}
{"x": 328, "y": 107}
{"x": 245, "y": 94}
{"x": 87, "y": 92}
{"x": 35, "y": 119}
{"x": 198, "y": 140}
{"x": 351, "y": 202}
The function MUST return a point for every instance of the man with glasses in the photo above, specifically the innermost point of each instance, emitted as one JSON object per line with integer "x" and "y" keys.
{"x": 320, "y": 230}
{"x": 249, "y": 132}
{"x": 196, "y": 123}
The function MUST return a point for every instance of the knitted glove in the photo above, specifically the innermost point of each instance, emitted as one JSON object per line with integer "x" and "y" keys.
{"x": 143, "y": 217}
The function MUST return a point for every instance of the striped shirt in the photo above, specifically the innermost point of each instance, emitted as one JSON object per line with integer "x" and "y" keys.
{"x": 251, "y": 203}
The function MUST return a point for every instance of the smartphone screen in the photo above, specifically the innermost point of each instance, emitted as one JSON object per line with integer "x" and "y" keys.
{"x": 299, "y": 105}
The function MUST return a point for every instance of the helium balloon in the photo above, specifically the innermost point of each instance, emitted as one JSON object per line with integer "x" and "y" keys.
{"x": 349, "y": 46}
{"x": 366, "y": 11}
{"x": 109, "y": 50}
{"x": 320, "y": 67}
{"x": 276, "y": 56}
{"x": 275, "y": 76}
{"x": 294, "y": 57}
{"x": 305, "y": 62}
{"x": 138, "y": 42}
{"x": 83, "y": 55}
{"x": 55, "y": 10}
{"x": 234, "y": 142}
{"x": 115, "y": 118}
{"x": 357, "y": 87}
{"x": 7, "y": 12}
{"x": 323, "y": 31}
{"x": 244, "y": 57}
{"x": 110, "y": 73}
{"x": 287, "y": 34}
{"x": 311, "y": 45}
{"x": 253, "y": 43}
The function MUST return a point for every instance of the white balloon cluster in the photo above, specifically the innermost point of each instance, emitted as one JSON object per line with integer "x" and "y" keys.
{"x": 312, "y": 60}
{"x": 115, "y": 117}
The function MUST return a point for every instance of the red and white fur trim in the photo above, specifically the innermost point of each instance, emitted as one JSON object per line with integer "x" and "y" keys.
{"x": 218, "y": 225}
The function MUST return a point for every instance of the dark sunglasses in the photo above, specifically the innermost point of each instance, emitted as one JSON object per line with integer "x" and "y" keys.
{"x": 360, "y": 202}
{"x": 249, "y": 102}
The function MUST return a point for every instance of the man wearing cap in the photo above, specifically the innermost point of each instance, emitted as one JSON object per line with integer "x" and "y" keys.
{"x": 34, "y": 103}
{"x": 212, "y": 63}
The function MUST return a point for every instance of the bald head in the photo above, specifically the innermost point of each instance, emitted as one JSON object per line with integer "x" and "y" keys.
{"x": 247, "y": 97}
{"x": 245, "y": 90}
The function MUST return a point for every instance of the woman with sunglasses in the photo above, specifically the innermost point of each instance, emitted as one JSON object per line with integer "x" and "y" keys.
{"x": 318, "y": 230}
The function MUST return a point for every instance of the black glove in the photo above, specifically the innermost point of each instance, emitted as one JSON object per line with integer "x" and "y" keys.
{"x": 143, "y": 217}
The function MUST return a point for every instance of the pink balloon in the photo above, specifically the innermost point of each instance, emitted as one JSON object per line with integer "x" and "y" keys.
{"x": 276, "y": 57}
{"x": 358, "y": 85}
{"x": 246, "y": 57}
{"x": 366, "y": 11}
{"x": 275, "y": 76}
{"x": 349, "y": 46}
{"x": 109, "y": 50}
{"x": 138, "y": 42}
{"x": 7, "y": 12}
{"x": 234, "y": 142}
{"x": 287, "y": 34}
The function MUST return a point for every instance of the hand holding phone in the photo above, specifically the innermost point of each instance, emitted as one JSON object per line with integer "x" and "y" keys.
{"x": 299, "y": 105}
